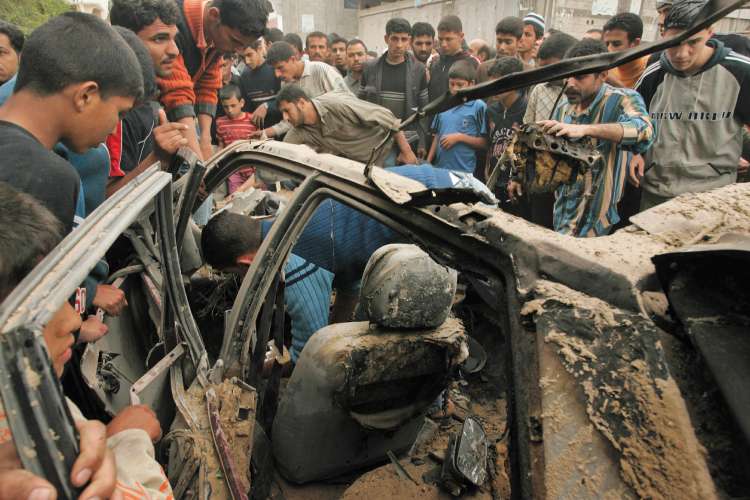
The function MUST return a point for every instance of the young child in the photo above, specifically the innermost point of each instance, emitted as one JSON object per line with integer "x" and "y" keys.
{"x": 28, "y": 231}
{"x": 236, "y": 125}
{"x": 460, "y": 131}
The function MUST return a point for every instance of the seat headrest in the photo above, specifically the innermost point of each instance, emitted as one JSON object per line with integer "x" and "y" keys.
{"x": 402, "y": 287}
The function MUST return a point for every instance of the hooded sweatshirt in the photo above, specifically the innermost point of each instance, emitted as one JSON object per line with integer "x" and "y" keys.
{"x": 698, "y": 121}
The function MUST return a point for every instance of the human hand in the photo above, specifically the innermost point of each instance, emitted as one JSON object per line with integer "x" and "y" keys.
{"x": 259, "y": 115}
{"x": 560, "y": 129}
{"x": 515, "y": 190}
{"x": 407, "y": 157}
{"x": 636, "y": 170}
{"x": 110, "y": 298}
{"x": 136, "y": 417}
{"x": 450, "y": 140}
{"x": 92, "y": 330}
{"x": 168, "y": 138}
{"x": 95, "y": 462}
{"x": 743, "y": 166}
{"x": 421, "y": 153}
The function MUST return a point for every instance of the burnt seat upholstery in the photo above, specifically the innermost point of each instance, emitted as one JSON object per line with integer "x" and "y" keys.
{"x": 360, "y": 389}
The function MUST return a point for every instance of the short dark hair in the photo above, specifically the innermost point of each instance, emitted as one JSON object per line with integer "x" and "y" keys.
{"x": 138, "y": 14}
{"x": 422, "y": 29}
{"x": 628, "y": 22}
{"x": 228, "y": 91}
{"x": 291, "y": 93}
{"x": 511, "y": 25}
{"x": 505, "y": 66}
{"x": 356, "y": 41}
{"x": 464, "y": 70}
{"x": 279, "y": 52}
{"x": 150, "y": 88}
{"x": 316, "y": 34}
{"x": 682, "y": 14}
{"x": 586, "y": 47}
{"x": 335, "y": 38}
{"x": 556, "y": 46}
{"x": 451, "y": 24}
{"x": 228, "y": 236}
{"x": 486, "y": 50}
{"x": 294, "y": 40}
{"x": 28, "y": 232}
{"x": 14, "y": 34}
{"x": 273, "y": 35}
{"x": 249, "y": 17}
{"x": 397, "y": 25}
{"x": 75, "y": 47}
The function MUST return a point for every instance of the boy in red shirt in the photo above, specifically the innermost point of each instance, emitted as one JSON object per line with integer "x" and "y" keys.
{"x": 236, "y": 125}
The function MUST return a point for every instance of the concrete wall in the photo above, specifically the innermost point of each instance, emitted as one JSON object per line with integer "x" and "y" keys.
{"x": 479, "y": 17}
{"x": 328, "y": 16}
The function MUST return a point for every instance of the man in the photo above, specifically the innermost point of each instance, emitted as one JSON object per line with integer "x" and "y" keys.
{"x": 540, "y": 105}
{"x": 697, "y": 93}
{"x": 338, "y": 53}
{"x": 422, "y": 41}
{"x": 533, "y": 32}
{"x": 508, "y": 35}
{"x": 593, "y": 34}
{"x": 11, "y": 43}
{"x": 207, "y": 30}
{"x": 398, "y": 83}
{"x": 295, "y": 41}
{"x": 272, "y": 36}
{"x": 67, "y": 90}
{"x": 259, "y": 87}
{"x": 317, "y": 47}
{"x": 356, "y": 55}
{"x": 617, "y": 120}
{"x": 340, "y": 124}
{"x": 480, "y": 50}
{"x": 622, "y": 32}
{"x": 314, "y": 77}
{"x": 451, "y": 39}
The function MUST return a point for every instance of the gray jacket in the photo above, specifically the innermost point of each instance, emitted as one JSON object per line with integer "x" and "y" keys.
{"x": 699, "y": 120}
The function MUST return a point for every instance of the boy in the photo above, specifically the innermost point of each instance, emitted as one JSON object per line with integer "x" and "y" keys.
{"x": 504, "y": 114}
{"x": 508, "y": 34}
{"x": 236, "y": 125}
{"x": 27, "y": 232}
{"x": 451, "y": 39}
{"x": 460, "y": 131}
{"x": 259, "y": 87}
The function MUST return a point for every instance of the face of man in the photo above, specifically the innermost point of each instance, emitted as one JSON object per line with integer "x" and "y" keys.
{"x": 317, "y": 48}
{"x": 233, "y": 107}
{"x": 58, "y": 335}
{"x": 422, "y": 47}
{"x": 159, "y": 39}
{"x": 398, "y": 44}
{"x": 582, "y": 89}
{"x": 94, "y": 117}
{"x": 293, "y": 112}
{"x": 221, "y": 36}
{"x": 689, "y": 55}
{"x": 528, "y": 39}
{"x": 617, "y": 40}
{"x": 506, "y": 44}
{"x": 8, "y": 59}
{"x": 450, "y": 42}
{"x": 338, "y": 51}
{"x": 253, "y": 58}
{"x": 355, "y": 57}
{"x": 288, "y": 70}
{"x": 662, "y": 13}
{"x": 456, "y": 84}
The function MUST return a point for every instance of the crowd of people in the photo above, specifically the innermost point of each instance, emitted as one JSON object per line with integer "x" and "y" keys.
{"x": 86, "y": 106}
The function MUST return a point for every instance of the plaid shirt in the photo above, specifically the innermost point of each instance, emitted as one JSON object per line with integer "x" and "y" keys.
{"x": 575, "y": 215}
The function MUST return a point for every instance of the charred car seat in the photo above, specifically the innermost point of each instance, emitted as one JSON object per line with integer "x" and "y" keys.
{"x": 360, "y": 389}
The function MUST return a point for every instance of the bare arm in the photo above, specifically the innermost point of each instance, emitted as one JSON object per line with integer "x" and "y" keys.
{"x": 606, "y": 131}
{"x": 204, "y": 141}
{"x": 433, "y": 149}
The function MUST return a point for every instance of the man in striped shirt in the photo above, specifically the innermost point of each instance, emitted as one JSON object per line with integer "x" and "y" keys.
{"x": 618, "y": 122}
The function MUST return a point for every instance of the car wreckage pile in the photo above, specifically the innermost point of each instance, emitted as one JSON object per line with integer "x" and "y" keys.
{"x": 612, "y": 367}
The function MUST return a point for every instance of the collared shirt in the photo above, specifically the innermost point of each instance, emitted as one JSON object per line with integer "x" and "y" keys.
{"x": 347, "y": 127}
{"x": 575, "y": 214}
{"x": 317, "y": 78}
{"x": 541, "y": 102}
{"x": 469, "y": 118}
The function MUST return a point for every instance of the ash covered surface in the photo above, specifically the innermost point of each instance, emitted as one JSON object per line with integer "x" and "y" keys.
{"x": 631, "y": 399}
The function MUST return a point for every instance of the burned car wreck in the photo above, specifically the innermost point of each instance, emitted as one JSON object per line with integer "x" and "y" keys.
{"x": 609, "y": 367}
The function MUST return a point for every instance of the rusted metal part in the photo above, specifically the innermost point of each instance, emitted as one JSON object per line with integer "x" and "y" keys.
{"x": 269, "y": 398}
{"x": 231, "y": 475}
